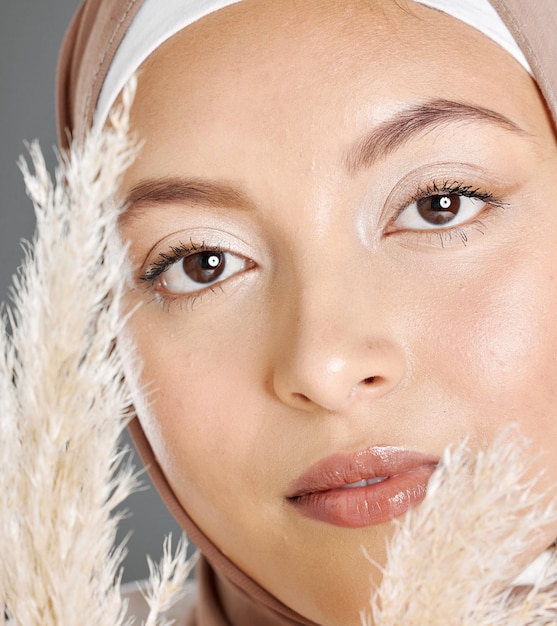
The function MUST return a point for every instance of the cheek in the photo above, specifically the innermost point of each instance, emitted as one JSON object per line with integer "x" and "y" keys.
{"x": 192, "y": 414}
{"x": 493, "y": 357}
{"x": 183, "y": 393}
{"x": 495, "y": 345}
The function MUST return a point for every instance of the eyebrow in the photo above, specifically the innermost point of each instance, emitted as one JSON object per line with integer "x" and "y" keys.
{"x": 174, "y": 190}
{"x": 387, "y": 137}
{"x": 407, "y": 124}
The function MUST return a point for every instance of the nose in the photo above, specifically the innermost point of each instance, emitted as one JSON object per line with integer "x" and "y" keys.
{"x": 333, "y": 355}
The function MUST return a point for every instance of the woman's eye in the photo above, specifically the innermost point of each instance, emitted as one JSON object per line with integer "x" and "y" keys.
{"x": 439, "y": 211}
{"x": 198, "y": 270}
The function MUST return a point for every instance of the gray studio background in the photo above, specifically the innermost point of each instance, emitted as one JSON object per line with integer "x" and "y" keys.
{"x": 30, "y": 35}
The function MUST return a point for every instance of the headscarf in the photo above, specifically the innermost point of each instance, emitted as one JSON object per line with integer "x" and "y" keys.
{"x": 227, "y": 596}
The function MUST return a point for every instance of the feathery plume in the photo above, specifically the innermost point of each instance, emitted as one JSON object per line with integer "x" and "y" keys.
{"x": 63, "y": 399}
{"x": 452, "y": 560}
{"x": 167, "y": 581}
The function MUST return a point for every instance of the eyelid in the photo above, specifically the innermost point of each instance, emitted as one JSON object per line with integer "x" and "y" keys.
{"x": 406, "y": 189}
{"x": 421, "y": 182}
{"x": 175, "y": 246}
{"x": 211, "y": 238}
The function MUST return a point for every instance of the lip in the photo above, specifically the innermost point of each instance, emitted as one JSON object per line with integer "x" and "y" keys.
{"x": 321, "y": 492}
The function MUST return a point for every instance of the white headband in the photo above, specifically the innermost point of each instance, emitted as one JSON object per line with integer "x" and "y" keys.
{"x": 154, "y": 23}
{"x": 481, "y": 15}
{"x": 157, "y": 20}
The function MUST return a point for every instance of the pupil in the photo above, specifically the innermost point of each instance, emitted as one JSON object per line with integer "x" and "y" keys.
{"x": 439, "y": 209}
{"x": 204, "y": 267}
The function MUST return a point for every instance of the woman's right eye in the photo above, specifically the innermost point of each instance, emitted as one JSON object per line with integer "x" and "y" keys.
{"x": 198, "y": 270}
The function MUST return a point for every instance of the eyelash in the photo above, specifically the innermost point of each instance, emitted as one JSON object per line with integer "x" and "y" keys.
{"x": 167, "y": 259}
{"x": 447, "y": 187}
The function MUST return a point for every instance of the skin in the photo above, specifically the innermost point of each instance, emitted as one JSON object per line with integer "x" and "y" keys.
{"x": 254, "y": 379}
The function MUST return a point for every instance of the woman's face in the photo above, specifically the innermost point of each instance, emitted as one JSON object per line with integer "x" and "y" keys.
{"x": 343, "y": 232}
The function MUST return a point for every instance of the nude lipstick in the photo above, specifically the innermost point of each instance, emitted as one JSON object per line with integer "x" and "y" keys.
{"x": 363, "y": 488}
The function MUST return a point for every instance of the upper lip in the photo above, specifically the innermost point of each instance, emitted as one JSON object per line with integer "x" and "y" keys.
{"x": 337, "y": 470}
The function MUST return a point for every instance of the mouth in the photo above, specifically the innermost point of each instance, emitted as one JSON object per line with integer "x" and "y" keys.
{"x": 363, "y": 488}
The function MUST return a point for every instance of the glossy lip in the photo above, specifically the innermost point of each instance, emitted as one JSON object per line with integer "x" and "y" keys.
{"x": 320, "y": 493}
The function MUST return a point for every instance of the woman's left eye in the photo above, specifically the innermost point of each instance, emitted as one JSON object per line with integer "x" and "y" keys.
{"x": 438, "y": 211}
{"x": 196, "y": 271}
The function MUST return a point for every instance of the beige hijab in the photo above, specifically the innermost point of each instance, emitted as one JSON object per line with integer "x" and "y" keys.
{"x": 227, "y": 596}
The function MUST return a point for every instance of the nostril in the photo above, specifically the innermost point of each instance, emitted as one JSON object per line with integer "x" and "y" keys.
{"x": 301, "y": 396}
{"x": 370, "y": 380}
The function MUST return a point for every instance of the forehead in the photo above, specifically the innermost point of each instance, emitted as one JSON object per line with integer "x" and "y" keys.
{"x": 315, "y": 47}
{"x": 289, "y": 70}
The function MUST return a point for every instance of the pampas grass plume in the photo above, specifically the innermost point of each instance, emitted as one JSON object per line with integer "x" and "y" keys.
{"x": 63, "y": 399}
{"x": 167, "y": 581}
{"x": 453, "y": 559}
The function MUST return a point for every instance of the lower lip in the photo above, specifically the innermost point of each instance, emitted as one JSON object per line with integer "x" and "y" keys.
{"x": 366, "y": 506}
